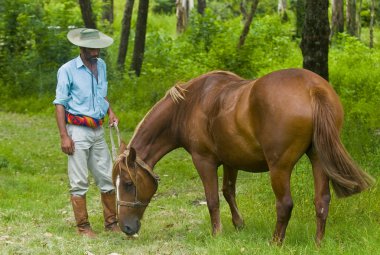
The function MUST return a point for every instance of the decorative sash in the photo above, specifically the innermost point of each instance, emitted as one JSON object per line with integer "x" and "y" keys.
{"x": 81, "y": 120}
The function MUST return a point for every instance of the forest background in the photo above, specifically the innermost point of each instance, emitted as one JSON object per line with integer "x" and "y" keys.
{"x": 33, "y": 45}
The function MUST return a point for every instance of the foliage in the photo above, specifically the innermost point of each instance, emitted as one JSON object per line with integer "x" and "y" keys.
{"x": 34, "y": 44}
{"x": 353, "y": 76}
{"x": 164, "y": 6}
{"x": 365, "y": 13}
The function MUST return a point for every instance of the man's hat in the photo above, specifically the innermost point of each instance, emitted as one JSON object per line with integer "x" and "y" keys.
{"x": 89, "y": 38}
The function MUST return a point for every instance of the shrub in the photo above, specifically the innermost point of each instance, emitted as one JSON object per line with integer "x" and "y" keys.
{"x": 352, "y": 66}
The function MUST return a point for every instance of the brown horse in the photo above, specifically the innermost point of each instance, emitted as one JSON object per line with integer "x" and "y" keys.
{"x": 252, "y": 125}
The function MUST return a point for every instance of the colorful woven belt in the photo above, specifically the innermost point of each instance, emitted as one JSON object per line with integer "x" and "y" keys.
{"x": 81, "y": 120}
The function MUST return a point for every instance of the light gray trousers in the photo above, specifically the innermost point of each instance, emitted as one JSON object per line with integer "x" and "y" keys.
{"x": 91, "y": 153}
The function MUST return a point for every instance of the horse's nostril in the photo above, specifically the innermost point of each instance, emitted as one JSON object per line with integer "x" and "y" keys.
{"x": 131, "y": 228}
{"x": 128, "y": 230}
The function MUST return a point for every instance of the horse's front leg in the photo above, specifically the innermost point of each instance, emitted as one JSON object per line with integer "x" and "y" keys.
{"x": 229, "y": 193}
{"x": 207, "y": 170}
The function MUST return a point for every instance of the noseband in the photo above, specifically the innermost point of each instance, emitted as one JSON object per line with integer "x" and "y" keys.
{"x": 136, "y": 203}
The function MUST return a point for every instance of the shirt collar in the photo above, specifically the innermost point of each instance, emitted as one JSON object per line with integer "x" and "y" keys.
{"x": 79, "y": 62}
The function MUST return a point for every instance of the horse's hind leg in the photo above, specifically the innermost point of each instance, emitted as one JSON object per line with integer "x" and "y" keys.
{"x": 229, "y": 193}
{"x": 322, "y": 196}
{"x": 280, "y": 180}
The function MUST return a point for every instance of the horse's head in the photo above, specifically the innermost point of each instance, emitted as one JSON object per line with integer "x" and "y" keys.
{"x": 136, "y": 184}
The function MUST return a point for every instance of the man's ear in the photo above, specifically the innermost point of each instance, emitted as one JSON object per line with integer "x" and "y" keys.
{"x": 131, "y": 157}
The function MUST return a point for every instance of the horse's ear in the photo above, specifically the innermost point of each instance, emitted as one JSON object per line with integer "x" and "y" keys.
{"x": 131, "y": 157}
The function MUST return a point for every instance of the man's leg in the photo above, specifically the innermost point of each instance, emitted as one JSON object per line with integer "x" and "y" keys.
{"x": 100, "y": 163}
{"x": 78, "y": 176}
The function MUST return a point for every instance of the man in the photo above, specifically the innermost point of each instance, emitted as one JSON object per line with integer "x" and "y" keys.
{"x": 81, "y": 105}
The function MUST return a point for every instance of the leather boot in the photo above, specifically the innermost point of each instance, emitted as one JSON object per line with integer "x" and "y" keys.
{"x": 109, "y": 211}
{"x": 81, "y": 216}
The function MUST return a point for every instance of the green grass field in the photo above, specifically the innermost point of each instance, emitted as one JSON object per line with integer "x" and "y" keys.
{"x": 36, "y": 216}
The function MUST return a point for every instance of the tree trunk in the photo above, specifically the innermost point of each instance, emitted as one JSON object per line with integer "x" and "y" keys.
{"x": 337, "y": 20}
{"x": 359, "y": 23}
{"x": 371, "y": 23}
{"x": 300, "y": 17}
{"x": 181, "y": 16}
{"x": 183, "y": 8}
{"x": 108, "y": 11}
{"x": 139, "y": 47}
{"x": 87, "y": 14}
{"x": 315, "y": 37}
{"x": 201, "y": 6}
{"x": 351, "y": 17}
{"x": 281, "y": 8}
{"x": 125, "y": 30}
{"x": 243, "y": 10}
{"x": 247, "y": 23}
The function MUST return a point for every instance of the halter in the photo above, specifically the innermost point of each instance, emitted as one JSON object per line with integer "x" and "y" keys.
{"x": 136, "y": 203}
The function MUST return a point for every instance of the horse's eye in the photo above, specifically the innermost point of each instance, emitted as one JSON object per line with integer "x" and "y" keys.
{"x": 128, "y": 183}
{"x": 128, "y": 186}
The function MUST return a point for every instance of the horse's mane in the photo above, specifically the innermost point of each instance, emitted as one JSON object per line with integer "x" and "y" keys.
{"x": 177, "y": 93}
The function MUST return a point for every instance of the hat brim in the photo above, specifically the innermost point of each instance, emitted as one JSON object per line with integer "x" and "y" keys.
{"x": 102, "y": 42}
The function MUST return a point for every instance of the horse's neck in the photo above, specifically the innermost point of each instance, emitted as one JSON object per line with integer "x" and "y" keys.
{"x": 154, "y": 138}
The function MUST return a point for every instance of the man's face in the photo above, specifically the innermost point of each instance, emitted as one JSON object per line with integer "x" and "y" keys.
{"x": 90, "y": 54}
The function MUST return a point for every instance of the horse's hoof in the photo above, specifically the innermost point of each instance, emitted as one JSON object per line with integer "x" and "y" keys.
{"x": 276, "y": 241}
{"x": 239, "y": 225}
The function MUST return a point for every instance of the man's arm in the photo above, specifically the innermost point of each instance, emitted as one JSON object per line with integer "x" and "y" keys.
{"x": 67, "y": 144}
{"x": 112, "y": 119}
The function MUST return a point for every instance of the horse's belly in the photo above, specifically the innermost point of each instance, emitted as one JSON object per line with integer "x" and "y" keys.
{"x": 241, "y": 153}
{"x": 237, "y": 147}
{"x": 248, "y": 165}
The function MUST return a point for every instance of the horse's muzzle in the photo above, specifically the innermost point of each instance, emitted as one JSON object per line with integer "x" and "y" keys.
{"x": 130, "y": 228}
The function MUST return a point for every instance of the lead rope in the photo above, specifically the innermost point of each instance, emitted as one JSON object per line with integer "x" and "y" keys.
{"x": 114, "y": 155}
{"x": 113, "y": 149}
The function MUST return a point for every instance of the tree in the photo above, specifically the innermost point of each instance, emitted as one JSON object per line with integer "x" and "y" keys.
{"x": 315, "y": 37}
{"x": 359, "y": 23}
{"x": 281, "y": 8}
{"x": 125, "y": 30}
{"x": 183, "y": 8}
{"x": 139, "y": 47}
{"x": 351, "y": 17}
{"x": 201, "y": 6}
{"x": 87, "y": 13}
{"x": 108, "y": 11}
{"x": 300, "y": 16}
{"x": 371, "y": 23}
{"x": 247, "y": 23}
{"x": 337, "y": 20}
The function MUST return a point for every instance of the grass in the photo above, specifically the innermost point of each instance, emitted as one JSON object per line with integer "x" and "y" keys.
{"x": 36, "y": 216}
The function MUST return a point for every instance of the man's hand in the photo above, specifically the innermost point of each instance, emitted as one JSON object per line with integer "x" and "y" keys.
{"x": 112, "y": 119}
{"x": 67, "y": 145}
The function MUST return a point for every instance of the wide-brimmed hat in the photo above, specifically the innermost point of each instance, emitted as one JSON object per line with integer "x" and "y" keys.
{"x": 89, "y": 38}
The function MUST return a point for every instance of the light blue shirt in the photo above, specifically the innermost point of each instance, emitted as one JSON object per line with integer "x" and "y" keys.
{"x": 79, "y": 91}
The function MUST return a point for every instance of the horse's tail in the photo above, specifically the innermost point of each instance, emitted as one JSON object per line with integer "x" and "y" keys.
{"x": 346, "y": 177}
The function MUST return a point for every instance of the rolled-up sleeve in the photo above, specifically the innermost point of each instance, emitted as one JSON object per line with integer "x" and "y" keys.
{"x": 62, "y": 93}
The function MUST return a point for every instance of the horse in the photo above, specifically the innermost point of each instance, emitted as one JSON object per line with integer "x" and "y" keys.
{"x": 260, "y": 125}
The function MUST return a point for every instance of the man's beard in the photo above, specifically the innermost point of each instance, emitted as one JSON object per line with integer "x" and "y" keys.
{"x": 92, "y": 60}
{"x": 89, "y": 58}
